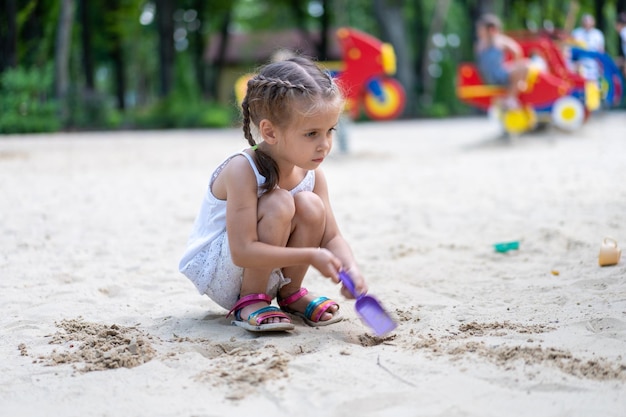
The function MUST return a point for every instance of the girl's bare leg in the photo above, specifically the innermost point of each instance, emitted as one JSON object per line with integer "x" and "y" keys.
{"x": 307, "y": 230}
{"x": 276, "y": 212}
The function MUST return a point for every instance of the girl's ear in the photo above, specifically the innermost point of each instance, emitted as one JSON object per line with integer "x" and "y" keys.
{"x": 268, "y": 132}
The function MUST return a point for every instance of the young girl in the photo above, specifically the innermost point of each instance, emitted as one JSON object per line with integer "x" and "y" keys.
{"x": 266, "y": 215}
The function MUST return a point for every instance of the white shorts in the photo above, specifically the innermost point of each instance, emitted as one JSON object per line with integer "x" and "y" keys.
{"x": 213, "y": 273}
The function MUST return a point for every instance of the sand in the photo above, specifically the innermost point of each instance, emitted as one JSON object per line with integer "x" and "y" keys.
{"x": 96, "y": 320}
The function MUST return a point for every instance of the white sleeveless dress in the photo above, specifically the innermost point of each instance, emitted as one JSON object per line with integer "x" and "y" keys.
{"x": 207, "y": 260}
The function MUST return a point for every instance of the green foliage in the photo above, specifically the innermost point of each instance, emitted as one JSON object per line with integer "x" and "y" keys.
{"x": 91, "y": 110}
{"x": 356, "y": 13}
{"x": 25, "y": 96}
{"x": 25, "y": 103}
{"x": 36, "y": 24}
{"x": 436, "y": 110}
{"x": 254, "y": 15}
{"x": 184, "y": 107}
{"x": 177, "y": 111}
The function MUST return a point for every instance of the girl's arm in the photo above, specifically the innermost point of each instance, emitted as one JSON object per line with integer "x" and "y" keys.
{"x": 334, "y": 241}
{"x": 239, "y": 182}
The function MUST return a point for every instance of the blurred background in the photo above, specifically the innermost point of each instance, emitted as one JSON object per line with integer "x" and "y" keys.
{"x": 137, "y": 64}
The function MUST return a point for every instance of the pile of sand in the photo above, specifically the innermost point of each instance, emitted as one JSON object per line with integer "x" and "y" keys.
{"x": 96, "y": 347}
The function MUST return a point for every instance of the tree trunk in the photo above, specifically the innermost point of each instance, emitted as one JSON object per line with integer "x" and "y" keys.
{"x": 468, "y": 39}
{"x": 322, "y": 48}
{"x": 165, "y": 25}
{"x": 599, "y": 9}
{"x": 62, "y": 56}
{"x": 221, "y": 54}
{"x": 117, "y": 57}
{"x": 8, "y": 36}
{"x": 389, "y": 16}
{"x": 620, "y": 7}
{"x": 436, "y": 26}
{"x": 197, "y": 48}
{"x": 300, "y": 17}
{"x": 87, "y": 56}
{"x": 117, "y": 54}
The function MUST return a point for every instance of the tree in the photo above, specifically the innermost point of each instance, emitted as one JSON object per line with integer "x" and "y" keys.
{"x": 62, "y": 54}
{"x": 198, "y": 45}
{"x": 436, "y": 26}
{"x": 325, "y": 22}
{"x": 389, "y": 14}
{"x": 224, "y": 37}
{"x": 87, "y": 55}
{"x": 165, "y": 27}
{"x": 8, "y": 35}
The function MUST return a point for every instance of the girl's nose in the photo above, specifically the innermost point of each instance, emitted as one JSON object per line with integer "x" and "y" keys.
{"x": 326, "y": 141}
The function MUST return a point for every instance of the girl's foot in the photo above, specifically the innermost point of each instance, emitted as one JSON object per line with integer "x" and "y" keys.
{"x": 255, "y": 313}
{"x": 245, "y": 312}
{"x": 318, "y": 311}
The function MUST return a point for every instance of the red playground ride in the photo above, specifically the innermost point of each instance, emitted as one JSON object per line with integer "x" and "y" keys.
{"x": 365, "y": 77}
{"x": 554, "y": 93}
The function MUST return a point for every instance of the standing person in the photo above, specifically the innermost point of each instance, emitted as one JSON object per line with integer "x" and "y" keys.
{"x": 266, "y": 215}
{"x": 591, "y": 39}
{"x": 491, "y": 47}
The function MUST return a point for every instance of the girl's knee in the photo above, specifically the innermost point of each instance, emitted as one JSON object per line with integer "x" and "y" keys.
{"x": 309, "y": 206}
{"x": 278, "y": 203}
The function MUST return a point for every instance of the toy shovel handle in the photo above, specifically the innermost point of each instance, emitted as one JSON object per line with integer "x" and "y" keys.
{"x": 348, "y": 283}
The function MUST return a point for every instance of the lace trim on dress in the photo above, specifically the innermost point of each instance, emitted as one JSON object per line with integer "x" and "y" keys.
{"x": 307, "y": 183}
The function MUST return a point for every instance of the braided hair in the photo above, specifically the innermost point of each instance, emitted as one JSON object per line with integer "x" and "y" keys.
{"x": 272, "y": 95}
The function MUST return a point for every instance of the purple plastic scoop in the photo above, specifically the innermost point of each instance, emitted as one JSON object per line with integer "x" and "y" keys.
{"x": 369, "y": 309}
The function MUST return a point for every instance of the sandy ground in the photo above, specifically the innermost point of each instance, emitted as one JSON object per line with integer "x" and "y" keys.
{"x": 96, "y": 320}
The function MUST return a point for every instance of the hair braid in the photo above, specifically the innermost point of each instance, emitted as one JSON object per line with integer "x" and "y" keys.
{"x": 267, "y": 83}
{"x": 245, "y": 109}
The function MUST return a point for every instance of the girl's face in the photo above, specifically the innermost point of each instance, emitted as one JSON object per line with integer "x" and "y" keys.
{"x": 308, "y": 138}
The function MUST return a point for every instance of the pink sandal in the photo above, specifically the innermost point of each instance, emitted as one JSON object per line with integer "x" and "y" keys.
{"x": 314, "y": 310}
{"x": 256, "y": 318}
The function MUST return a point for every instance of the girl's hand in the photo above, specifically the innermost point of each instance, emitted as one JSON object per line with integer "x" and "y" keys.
{"x": 327, "y": 263}
{"x": 359, "y": 283}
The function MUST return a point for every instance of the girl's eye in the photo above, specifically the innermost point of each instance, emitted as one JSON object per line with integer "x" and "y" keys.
{"x": 311, "y": 134}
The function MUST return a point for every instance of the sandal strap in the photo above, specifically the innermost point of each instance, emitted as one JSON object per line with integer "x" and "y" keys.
{"x": 249, "y": 299}
{"x": 265, "y": 313}
{"x": 293, "y": 297}
{"x": 316, "y": 308}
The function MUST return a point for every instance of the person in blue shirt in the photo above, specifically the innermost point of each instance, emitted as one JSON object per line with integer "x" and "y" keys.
{"x": 491, "y": 49}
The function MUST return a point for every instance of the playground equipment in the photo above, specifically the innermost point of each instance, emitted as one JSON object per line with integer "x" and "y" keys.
{"x": 364, "y": 75}
{"x": 365, "y": 78}
{"x": 611, "y": 78}
{"x": 554, "y": 94}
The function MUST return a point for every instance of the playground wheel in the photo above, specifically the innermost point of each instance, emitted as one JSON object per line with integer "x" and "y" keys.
{"x": 568, "y": 113}
{"x": 386, "y": 101}
{"x": 518, "y": 121}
